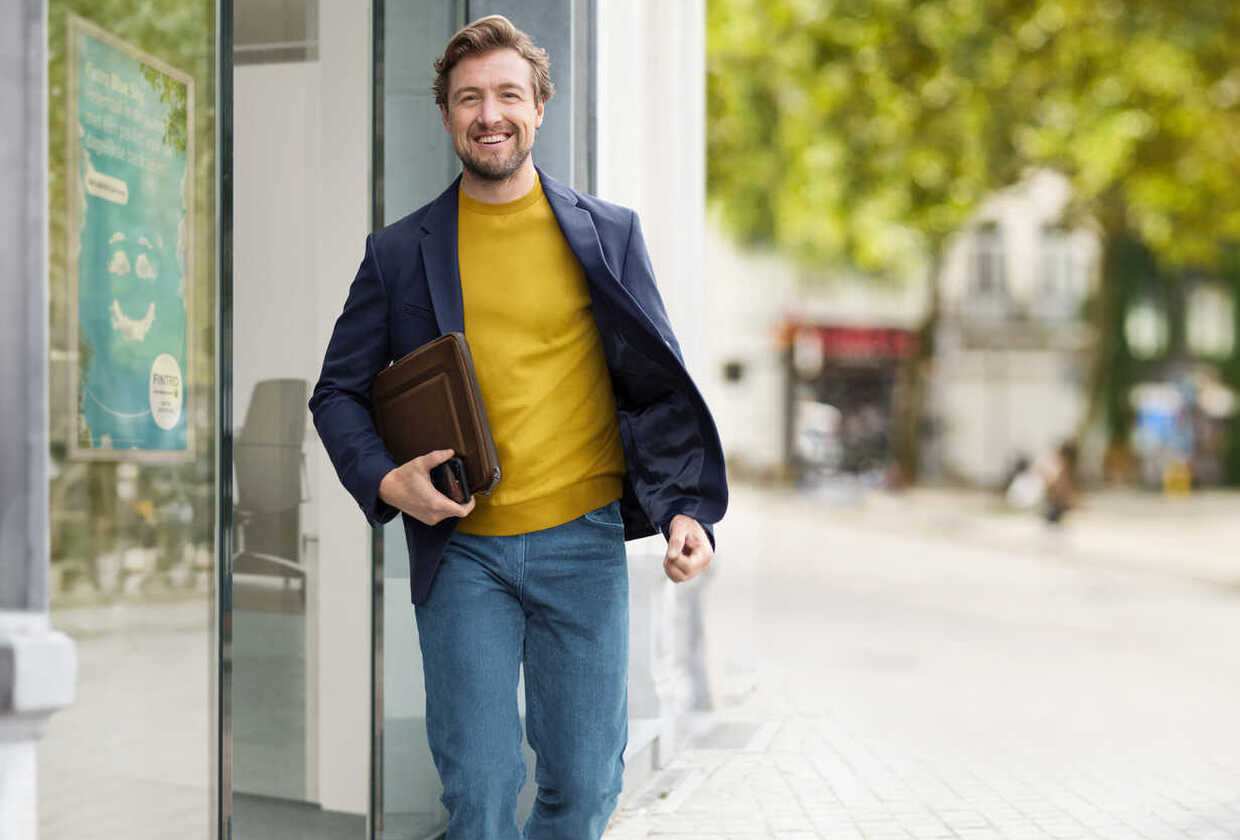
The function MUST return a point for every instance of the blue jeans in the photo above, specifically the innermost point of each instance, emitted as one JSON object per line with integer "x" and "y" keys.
{"x": 556, "y": 601}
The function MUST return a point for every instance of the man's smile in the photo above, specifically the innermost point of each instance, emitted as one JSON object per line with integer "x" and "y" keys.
{"x": 492, "y": 139}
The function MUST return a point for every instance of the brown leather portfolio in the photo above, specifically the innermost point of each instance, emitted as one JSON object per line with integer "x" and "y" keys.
{"x": 429, "y": 399}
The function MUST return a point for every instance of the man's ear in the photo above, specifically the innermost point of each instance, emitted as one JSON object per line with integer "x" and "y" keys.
{"x": 539, "y": 109}
{"x": 443, "y": 115}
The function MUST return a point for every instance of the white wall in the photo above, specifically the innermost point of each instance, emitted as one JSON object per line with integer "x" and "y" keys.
{"x": 275, "y": 265}
{"x": 302, "y": 210}
{"x": 651, "y": 144}
{"x": 751, "y": 294}
{"x": 651, "y": 157}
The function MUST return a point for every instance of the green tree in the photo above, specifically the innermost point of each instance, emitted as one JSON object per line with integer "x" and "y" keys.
{"x": 1139, "y": 108}
{"x": 866, "y": 132}
{"x": 863, "y": 134}
{"x": 1231, "y": 370}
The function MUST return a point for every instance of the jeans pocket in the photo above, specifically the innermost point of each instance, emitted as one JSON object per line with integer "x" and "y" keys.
{"x": 608, "y": 514}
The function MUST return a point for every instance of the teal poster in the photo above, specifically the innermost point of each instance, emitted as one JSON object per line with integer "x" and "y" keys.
{"x": 131, "y": 194}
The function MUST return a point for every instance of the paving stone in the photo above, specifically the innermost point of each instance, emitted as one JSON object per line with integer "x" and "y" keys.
{"x": 965, "y": 691}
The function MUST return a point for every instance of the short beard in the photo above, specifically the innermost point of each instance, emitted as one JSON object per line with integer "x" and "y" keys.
{"x": 499, "y": 171}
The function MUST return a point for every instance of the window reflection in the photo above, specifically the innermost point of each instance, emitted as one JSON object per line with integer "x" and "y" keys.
{"x": 301, "y": 581}
{"x": 131, "y": 286}
{"x": 414, "y": 35}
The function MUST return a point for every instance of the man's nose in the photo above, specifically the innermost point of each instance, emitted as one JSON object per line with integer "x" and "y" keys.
{"x": 489, "y": 113}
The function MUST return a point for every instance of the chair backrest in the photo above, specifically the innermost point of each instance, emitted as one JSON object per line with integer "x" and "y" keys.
{"x": 267, "y": 452}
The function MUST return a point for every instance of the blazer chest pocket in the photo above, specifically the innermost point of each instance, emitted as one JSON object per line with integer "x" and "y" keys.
{"x": 413, "y": 326}
{"x": 417, "y": 310}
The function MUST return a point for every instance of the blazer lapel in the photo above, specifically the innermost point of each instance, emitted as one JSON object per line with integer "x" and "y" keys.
{"x": 439, "y": 259}
{"x": 582, "y": 235}
{"x": 578, "y": 228}
{"x": 439, "y": 250}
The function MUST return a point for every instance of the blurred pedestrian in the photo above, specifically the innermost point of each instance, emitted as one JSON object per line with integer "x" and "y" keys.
{"x": 1058, "y": 472}
{"x": 1023, "y": 487}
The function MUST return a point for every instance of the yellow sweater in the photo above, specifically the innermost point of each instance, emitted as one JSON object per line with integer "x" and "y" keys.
{"x": 540, "y": 366}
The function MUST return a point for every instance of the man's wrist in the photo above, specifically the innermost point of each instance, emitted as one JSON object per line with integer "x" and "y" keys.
{"x": 667, "y": 525}
{"x": 387, "y": 486}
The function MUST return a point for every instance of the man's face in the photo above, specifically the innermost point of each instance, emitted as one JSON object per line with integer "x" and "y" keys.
{"x": 492, "y": 113}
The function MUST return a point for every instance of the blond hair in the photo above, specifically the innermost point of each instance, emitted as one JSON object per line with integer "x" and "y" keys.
{"x": 493, "y": 32}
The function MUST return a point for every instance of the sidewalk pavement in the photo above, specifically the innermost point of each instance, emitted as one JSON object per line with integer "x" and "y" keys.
{"x": 1195, "y": 537}
{"x": 928, "y": 665}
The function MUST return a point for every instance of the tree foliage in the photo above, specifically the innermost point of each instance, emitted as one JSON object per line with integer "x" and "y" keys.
{"x": 837, "y": 130}
{"x": 866, "y": 132}
{"x": 855, "y": 132}
{"x": 1139, "y": 107}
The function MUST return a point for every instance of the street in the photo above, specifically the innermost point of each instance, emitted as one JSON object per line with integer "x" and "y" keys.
{"x": 908, "y": 680}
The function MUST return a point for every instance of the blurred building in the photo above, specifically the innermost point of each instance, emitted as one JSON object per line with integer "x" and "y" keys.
{"x": 1176, "y": 371}
{"x": 1014, "y": 349}
{"x": 806, "y": 368}
{"x": 1011, "y": 351}
{"x": 1011, "y": 348}
{"x": 802, "y": 365}
{"x": 744, "y": 380}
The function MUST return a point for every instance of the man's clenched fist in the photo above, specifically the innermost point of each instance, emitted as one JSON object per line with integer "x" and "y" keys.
{"x": 688, "y": 549}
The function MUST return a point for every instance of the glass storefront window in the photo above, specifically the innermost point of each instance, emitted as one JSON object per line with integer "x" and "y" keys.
{"x": 278, "y": 693}
{"x": 131, "y": 279}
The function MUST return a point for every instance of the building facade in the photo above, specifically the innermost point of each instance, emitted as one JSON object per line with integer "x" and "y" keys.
{"x": 809, "y": 367}
{"x": 1011, "y": 354}
{"x": 202, "y": 177}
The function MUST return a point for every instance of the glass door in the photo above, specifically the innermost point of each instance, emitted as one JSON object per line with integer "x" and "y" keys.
{"x": 297, "y": 624}
{"x": 417, "y": 163}
{"x": 335, "y": 133}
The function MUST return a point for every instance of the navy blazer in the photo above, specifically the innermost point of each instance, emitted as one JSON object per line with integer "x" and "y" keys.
{"x": 408, "y": 291}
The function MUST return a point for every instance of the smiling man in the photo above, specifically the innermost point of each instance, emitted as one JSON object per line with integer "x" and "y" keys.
{"x": 601, "y": 434}
{"x": 493, "y": 135}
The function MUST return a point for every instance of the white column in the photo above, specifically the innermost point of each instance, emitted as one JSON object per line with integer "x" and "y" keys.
{"x": 37, "y": 665}
{"x": 651, "y": 157}
{"x": 38, "y": 668}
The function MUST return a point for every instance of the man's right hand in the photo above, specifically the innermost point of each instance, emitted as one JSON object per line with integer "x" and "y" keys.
{"x": 409, "y": 488}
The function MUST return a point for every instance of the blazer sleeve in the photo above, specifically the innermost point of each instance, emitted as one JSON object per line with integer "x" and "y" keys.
{"x": 710, "y": 500}
{"x": 359, "y": 349}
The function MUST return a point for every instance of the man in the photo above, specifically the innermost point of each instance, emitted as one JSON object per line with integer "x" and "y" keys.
{"x": 601, "y": 436}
